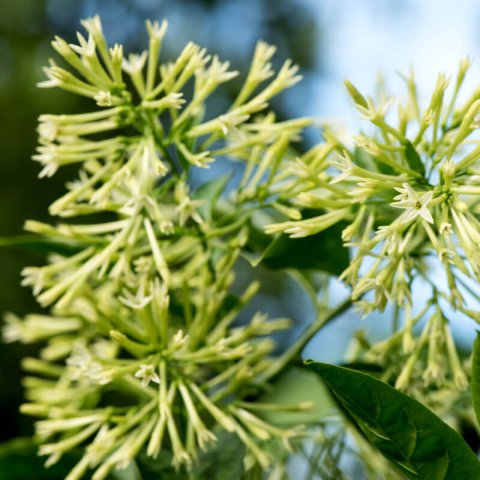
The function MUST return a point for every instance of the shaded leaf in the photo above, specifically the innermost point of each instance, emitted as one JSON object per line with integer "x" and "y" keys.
{"x": 37, "y": 244}
{"x": 19, "y": 461}
{"x": 210, "y": 192}
{"x": 369, "y": 162}
{"x": 224, "y": 461}
{"x": 323, "y": 251}
{"x": 408, "y": 434}
{"x": 295, "y": 386}
{"x": 129, "y": 473}
{"x": 158, "y": 468}
{"x": 364, "y": 159}
{"x": 476, "y": 376}
{"x": 413, "y": 158}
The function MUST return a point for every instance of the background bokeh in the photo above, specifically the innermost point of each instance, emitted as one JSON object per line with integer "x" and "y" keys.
{"x": 330, "y": 39}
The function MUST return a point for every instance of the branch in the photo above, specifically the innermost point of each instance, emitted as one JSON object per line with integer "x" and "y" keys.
{"x": 294, "y": 351}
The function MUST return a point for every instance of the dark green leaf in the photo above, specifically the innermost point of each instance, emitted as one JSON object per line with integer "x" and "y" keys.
{"x": 158, "y": 468}
{"x": 364, "y": 159}
{"x": 413, "y": 158}
{"x": 37, "y": 244}
{"x": 357, "y": 97}
{"x": 323, "y": 251}
{"x": 210, "y": 192}
{"x": 19, "y": 461}
{"x": 476, "y": 376}
{"x": 408, "y": 434}
{"x": 372, "y": 368}
{"x": 369, "y": 162}
{"x": 224, "y": 461}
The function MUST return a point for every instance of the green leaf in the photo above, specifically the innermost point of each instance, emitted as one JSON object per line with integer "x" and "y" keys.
{"x": 295, "y": 386}
{"x": 357, "y": 97}
{"x": 364, "y": 159}
{"x": 476, "y": 376}
{"x": 323, "y": 251}
{"x": 158, "y": 468}
{"x": 210, "y": 192}
{"x": 413, "y": 158}
{"x": 373, "y": 369}
{"x": 408, "y": 434}
{"x": 129, "y": 473}
{"x": 37, "y": 244}
{"x": 224, "y": 461}
{"x": 19, "y": 461}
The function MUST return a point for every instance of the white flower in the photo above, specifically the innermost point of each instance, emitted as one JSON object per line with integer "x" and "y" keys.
{"x": 148, "y": 374}
{"x": 343, "y": 163}
{"x": 138, "y": 301}
{"x": 391, "y": 237}
{"x": 374, "y": 112}
{"x": 414, "y": 203}
{"x": 86, "y": 47}
{"x": 47, "y": 130}
{"x": 103, "y": 98}
{"x": 449, "y": 171}
{"x": 82, "y": 364}
{"x": 446, "y": 256}
{"x": 445, "y": 228}
{"x": 157, "y": 30}
{"x": 179, "y": 338}
{"x": 12, "y": 330}
{"x": 135, "y": 63}
{"x": 93, "y": 26}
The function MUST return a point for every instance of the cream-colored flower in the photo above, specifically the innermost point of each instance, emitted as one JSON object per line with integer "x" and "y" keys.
{"x": 415, "y": 203}
{"x": 147, "y": 374}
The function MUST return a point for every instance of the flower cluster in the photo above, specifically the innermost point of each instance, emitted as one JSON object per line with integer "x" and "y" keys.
{"x": 406, "y": 194}
{"x": 142, "y": 350}
{"x": 426, "y": 366}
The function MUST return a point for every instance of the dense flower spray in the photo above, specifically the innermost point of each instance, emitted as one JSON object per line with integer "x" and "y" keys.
{"x": 144, "y": 354}
{"x": 407, "y": 196}
{"x": 141, "y": 351}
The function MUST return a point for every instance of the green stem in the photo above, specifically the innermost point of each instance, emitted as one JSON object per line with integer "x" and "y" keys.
{"x": 294, "y": 351}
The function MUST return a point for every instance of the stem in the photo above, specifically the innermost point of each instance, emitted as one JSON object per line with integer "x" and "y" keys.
{"x": 294, "y": 351}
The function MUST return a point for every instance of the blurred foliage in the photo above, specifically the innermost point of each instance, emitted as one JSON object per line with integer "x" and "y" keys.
{"x": 227, "y": 27}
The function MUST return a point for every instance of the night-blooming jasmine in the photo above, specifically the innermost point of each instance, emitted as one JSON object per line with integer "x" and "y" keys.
{"x": 147, "y": 374}
{"x": 153, "y": 355}
{"x": 143, "y": 350}
{"x": 416, "y": 204}
{"x": 406, "y": 194}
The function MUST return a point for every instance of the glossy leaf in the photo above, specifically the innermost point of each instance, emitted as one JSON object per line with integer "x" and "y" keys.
{"x": 408, "y": 434}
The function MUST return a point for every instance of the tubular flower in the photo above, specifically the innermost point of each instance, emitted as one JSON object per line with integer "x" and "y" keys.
{"x": 406, "y": 196}
{"x": 424, "y": 165}
{"x": 141, "y": 348}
